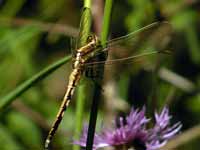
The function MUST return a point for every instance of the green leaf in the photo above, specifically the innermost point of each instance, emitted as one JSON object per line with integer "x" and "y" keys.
{"x": 6, "y": 100}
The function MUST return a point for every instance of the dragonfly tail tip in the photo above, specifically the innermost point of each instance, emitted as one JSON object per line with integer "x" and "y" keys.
{"x": 46, "y": 147}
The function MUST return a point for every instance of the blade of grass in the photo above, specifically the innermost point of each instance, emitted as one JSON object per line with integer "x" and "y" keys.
{"x": 10, "y": 97}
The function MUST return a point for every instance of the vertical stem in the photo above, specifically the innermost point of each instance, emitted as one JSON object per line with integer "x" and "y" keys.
{"x": 87, "y": 4}
{"x": 93, "y": 118}
{"x": 106, "y": 21}
{"x": 97, "y": 88}
{"x": 81, "y": 98}
{"x": 85, "y": 25}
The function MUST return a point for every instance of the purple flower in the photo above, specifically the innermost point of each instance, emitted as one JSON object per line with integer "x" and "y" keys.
{"x": 132, "y": 132}
{"x": 97, "y": 143}
{"x": 162, "y": 132}
{"x": 130, "y": 128}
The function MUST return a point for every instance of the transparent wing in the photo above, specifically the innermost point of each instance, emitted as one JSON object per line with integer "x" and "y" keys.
{"x": 151, "y": 39}
{"x": 151, "y": 31}
{"x": 140, "y": 47}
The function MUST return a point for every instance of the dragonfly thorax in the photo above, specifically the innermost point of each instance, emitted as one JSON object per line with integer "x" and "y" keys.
{"x": 78, "y": 61}
{"x": 94, "y": 40}
{"x": 92, "y": 43}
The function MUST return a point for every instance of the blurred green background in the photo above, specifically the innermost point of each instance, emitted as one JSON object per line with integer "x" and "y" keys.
{"x": 36, "y": 33}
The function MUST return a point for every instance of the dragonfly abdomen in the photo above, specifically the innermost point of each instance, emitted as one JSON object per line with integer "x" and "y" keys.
{"x": 73, "y": 81}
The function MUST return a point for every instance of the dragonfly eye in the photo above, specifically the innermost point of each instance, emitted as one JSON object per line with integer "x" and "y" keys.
{"x": 90, "y": 38}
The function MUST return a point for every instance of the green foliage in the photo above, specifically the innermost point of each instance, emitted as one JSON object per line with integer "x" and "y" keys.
{"x": 16, "y": 51}
{"x": 49, "y": 8}
{"x": 7, "y": 140}
{"x": 179, "y": 21}
{"x": 194, "y": 105}
{"x": 25, "y": 50}
{"x": 141, "y": 13}
{"x": 11, "y": 8}
{"x": 24, "y": 130}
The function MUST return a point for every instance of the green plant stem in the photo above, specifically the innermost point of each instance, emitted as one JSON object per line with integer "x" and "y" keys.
{"x": 85, "y": 25}
{"x": 81, "y": 98}
{"x": 10, "y": 97}
{"x": 87, "y": 4}
{"x": 106, "y": 21}
{"x": 97, "y": 86}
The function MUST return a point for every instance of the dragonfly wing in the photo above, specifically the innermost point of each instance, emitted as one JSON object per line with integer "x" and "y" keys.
{"x": 143, "y": 32}
{"x": 148, "y": 40}
{"x": 152, "y": 37}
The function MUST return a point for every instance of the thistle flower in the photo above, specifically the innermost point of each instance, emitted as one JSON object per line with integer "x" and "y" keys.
{"x": 162, "y": 132}
{"x": 97, "y": 143}
{"x": 132, "y": 132}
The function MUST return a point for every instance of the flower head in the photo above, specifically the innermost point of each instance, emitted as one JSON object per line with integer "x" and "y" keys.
{"x": 162, "y": 132}
{"x": 131, "y": 128}
{"x": 133, "y": 132}
{"x": 97, "y": 143}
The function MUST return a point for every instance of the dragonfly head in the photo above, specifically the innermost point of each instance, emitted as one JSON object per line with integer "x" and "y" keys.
{"x": 94, "y": 40}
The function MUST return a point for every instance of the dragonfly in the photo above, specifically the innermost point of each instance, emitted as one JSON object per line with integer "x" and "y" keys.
{"x": 93, "y": 48}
